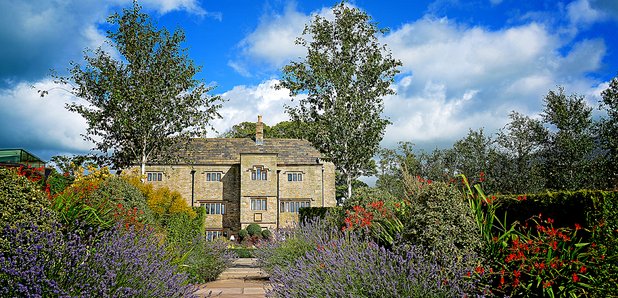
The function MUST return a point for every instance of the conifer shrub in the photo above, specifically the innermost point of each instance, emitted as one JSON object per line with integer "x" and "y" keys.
{"x": 440, "y": 218}
{"x": 254, "y": 230}
{"x": 267, "y": 234}
{"x": 243, "y": 234}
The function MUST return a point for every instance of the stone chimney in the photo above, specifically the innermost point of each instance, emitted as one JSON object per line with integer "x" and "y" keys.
{"x": 259, "y": 131}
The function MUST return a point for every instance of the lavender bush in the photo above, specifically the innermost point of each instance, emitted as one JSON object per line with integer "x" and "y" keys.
{"x": 349, "y": 266}
{"x": 287, "y": 245}
{"x": 120, "y": 263}
{"x": 317, "y": 260}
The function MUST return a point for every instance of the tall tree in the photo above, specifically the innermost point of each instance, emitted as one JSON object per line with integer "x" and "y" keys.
{"x": 345, "y": 75}
{"x": 145, "y": 102}
{"x": 609, "y": 130}
{"x": 520, "y": 144}
{"x": 568, "y": 154}
{"x": 474, "y": 157}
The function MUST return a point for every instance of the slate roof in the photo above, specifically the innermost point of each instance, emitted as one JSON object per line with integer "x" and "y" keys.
{"x": 228, "y": 150}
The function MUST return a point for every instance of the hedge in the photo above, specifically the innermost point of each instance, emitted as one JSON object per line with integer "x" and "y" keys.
{"x": 309, "y": 213}
{"x": 585, "y": 207}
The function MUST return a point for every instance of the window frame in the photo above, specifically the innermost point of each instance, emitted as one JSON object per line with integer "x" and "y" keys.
{"x": 217, "y": 176}
{"x": 213, "y": 206}
{"x": 154, "y": 176}
{"x": 293, "y": 206}
{"x": 259, "y": 204}
{"x": 295, "y": 177}
{"x": 212, "y": 234}
{"x": 259, "y": 173}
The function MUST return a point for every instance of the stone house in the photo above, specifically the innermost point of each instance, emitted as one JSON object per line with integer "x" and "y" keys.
{"x": 242, "y": 181}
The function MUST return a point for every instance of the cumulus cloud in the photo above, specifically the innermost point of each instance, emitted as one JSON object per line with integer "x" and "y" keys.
{"x": 40, "y": 124}
{"x": 39, "y": 35}
{"x": 272, "y": 43}
{"x": 461, "y": 77}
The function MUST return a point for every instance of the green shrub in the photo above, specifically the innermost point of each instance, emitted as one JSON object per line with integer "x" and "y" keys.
{"x": 243, "y": 234}
{"x": 204, "y": 260}
{"x": 243, "y": 252}
{"x": 21, "y": 201}
{"x": 254, "y": 230}
{"x": 439, "y": 217}
{"x": 58, "y": 182}
{"x": 267, "y": 234}
{"x": 119, "y": 191}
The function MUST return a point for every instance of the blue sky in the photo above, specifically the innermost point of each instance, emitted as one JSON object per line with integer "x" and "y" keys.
{"x": 466, "y": 64}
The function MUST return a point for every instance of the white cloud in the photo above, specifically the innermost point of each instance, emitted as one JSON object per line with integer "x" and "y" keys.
{"x": 36, "y": 123}
{"x": 580, "y": 12}
{"x": 463, "y": 77}
{"x": 272, "y": 43}
{"x": 244, "y": 103}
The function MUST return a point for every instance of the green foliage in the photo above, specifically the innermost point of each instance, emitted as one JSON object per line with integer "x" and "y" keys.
{"x": 281, "y": 130}
{"x": 57, "y": 182}
{"x": 243, "y": 252}
{"x": 608, "y": 131}
{"x": 267, "y": 234}
{"x": 345, "y": 74}
{"x": 254, "y": 230}
{"x": 309, "y": 213}
{"x": 22, "y": 202}
{"x": 243, "y": 234}
{"x": 568, "y": 153}
{"x": 183, "y": 228}
{"x": 134, "y": 104}
{"x": 119, "y": 191}
{"x": 440, "y": 218}
{"x": 205, "y": 260}
{"x": 520, "y": 144}
{"x": 567, "y": 208}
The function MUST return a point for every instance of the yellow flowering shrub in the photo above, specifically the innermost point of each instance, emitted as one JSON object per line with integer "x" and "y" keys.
{"x": 163, "y": 201}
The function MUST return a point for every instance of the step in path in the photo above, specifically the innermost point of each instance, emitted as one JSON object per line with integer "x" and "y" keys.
{"x": 243, "y": 279}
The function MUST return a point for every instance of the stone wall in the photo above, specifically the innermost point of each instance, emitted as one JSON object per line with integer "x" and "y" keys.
{"x": 258, "y": 189}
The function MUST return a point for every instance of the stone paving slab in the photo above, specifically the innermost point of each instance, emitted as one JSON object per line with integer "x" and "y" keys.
{"x": 244, "y": 279}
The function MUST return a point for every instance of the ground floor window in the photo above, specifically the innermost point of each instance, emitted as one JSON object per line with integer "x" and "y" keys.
{"x": 258, "y": 204}
{"x": 213, "y": 234}
{"x": 293, "y": 206}
{"x": 214, "y": 207}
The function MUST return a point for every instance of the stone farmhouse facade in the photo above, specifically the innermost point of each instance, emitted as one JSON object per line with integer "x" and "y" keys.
{"x": 241, "y": 181}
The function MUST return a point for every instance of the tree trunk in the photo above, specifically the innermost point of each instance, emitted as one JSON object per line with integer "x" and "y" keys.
{"x": 143, "y": 168}
{"x": 349, "y": 182}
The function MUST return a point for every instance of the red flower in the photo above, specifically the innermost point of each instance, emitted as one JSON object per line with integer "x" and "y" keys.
{"x": 582, "y": 269}
{"x": 578, "y": 227}
{"x": 575, "y": 277}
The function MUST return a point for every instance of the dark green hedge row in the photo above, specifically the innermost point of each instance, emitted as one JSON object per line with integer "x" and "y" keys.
{"x": 308, "y": 213}
{"x": 585, "y": 207}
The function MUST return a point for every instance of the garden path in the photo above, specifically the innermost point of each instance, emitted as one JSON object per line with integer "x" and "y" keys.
{"x": 243, "y": 279}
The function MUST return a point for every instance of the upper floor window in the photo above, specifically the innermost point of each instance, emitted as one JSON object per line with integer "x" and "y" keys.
{"x": 154, "y": 176}
{"x": 214, "y": 208}
{"x": 295, "y": 176}
{"x": 213, "y": 176}
{"x": 258, "y": 204}
{"x": 259, "y": 173}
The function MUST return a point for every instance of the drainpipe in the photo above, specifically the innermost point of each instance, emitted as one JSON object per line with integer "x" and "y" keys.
{"x": 192, "y": 186}
{"x": 322, "y": 185}
{"x": 278, "y": 195}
